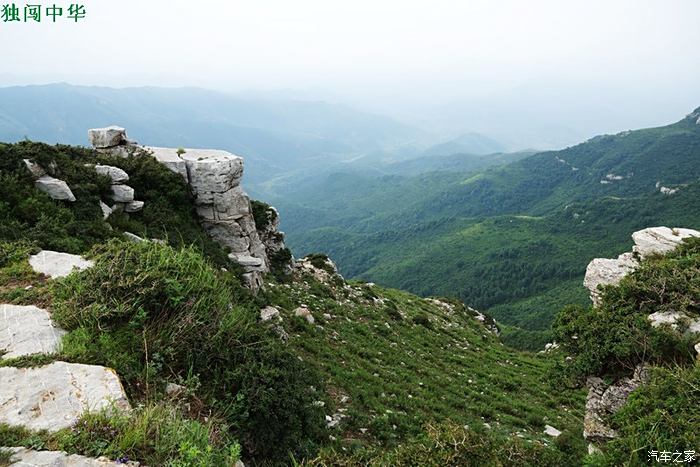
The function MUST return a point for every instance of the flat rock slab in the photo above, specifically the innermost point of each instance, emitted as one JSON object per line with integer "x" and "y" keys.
{"x": 54, "y": 396}
{"x": 27, "y": 330}
{"x": 23, "y": 457}
{"x": 54, "y": 264}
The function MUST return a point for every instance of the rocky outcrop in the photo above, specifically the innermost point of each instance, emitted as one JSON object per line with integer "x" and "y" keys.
{"x": 651, "y": 241}
{"x": 54, "y": 264}
{"x": 268, "y": 225}
{"x": 604, "y": 400}
{"x": 27, "y": 330}
{"x": 223, "y": 206}
{"x": 54, "y": 396}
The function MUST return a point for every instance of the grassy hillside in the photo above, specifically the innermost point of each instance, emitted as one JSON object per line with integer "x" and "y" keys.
{"x": 387, "y": 367}
{"x": 514, "y": 240}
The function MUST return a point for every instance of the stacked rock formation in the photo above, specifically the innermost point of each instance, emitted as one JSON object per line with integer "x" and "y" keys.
{"x": 55, "y": 188}
{"x": 605, "y": 399}
{"x": 223, "y": 206}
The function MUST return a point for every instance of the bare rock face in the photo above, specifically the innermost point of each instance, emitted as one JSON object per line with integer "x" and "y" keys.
{"x": 223, "y": 206}
{"x": 659, "y": 240}
{"x": 54, "y": 396}
{"x": 604, "y": 400}
{"x": 23, "y": 457}
{"x": 122, "y": 193}
{"x": 54, "y": 264}
{"x": 103, "y": 138}
{"x": 651, "y": 241}
{"x": 27, "y": 330}
{"x": 604, "y": 271}
{"x": 55, "y": 188}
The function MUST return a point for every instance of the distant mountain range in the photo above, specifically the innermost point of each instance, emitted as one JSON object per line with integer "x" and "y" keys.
{"x": 514, "y": 239}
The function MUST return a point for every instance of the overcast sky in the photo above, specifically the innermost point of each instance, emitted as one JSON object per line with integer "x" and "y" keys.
{"x": 417, "y": 59}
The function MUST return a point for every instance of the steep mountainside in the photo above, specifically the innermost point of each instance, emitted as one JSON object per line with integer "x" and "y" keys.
{"x": 311, "y": 366}
{"x": 544, "y": 216}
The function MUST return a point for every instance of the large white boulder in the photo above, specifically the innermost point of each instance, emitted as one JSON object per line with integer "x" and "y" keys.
{"x": 27, "y": 330}
{"x": 607, "y": 271}
{"x": 55, "y": 188}
{"x": 122, "y": 193}
{"x": 116, "y": 174}
{"x": 660, "y": 240}
{"x": 54, "y": 396}
{"x": 107, "y": 137}
{"x": 133, "y": 206}
{"x": 55, "y": 264}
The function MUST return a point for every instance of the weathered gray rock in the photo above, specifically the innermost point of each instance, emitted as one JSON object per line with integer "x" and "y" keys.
{"x": 55, "y": 188}
{"x": 27, "y": 330}
{"x": 35, "y": 169}
{"x": 305, "y": 313}
{"x": 246, "y": 260}
{"x": 212, "y": 171}
{"x": 122, "y": 193}
{"x": 551, "y": 431}
{"x": 133, "y": 206}
{"x": 107, "y": 137}
{"x": 23, "y": 457}
{"x": 603, "y": 401}
{"x": 116, "y": 174}
{"x": 133, "y": 237}
{"x": 174, "y": 390}
{"x": 106, "y": 210}
{"x": 604, "y": 271}
{"x": 54, "y": 264}
{"x": 54, "y": 396}
{"x": 169, "y": 158}
{"x": 269, "y": 313}
{"x": 660, "y": 240}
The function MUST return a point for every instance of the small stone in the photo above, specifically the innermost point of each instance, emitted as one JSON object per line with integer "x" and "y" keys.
{"x": 268, "y": 313}
{"x": 174, "y": 390}
{"x": 133, "y": 206}
{"x": 304, "y": 313}
{"x": 327, "y": 316}
{"x": 551, "y": 431}
{"x": 34, "y": 169}
{"x": 133, "y": 237}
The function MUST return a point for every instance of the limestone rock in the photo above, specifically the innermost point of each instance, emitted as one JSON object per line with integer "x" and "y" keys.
{"x": 34, "y": 169}
{"x": 23, "y": 457}
{"x": 116, "y": 174}
{"x": 604, "y": 271}
{"x": 54, "y": 264}
{"x": 133, "y": 206}
{"x": 212, "y": 171}
{"x": 27, "y": 330}
{"x": 603, "y": 401}
{"x": 268, "y": 313}
{"x": 660, "y": 240}
{"x": 305, "y": 313}
{"x": 54, "y": 396}
{"x": 106, "y": 210}
{"x": 133, "y": 237}
{"x": 246, "y": 260}
{"x": 551, "y": 431}
{"x": 174, "y": 390}
{"x": 55, "y": 188}
{"x": 122, "y": 193}
{"x": 169, "y": 158}
{"x": 107, "y": 137}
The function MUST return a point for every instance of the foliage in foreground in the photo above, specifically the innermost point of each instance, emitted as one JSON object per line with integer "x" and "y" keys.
{"x": 157, "y": 314}
{"x": 153, "y": 435}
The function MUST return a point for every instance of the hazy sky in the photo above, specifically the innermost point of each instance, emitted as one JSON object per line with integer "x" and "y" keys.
{"x": 427, "y": 61}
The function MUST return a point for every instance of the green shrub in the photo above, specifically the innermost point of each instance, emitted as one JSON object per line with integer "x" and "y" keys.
{"x": 155, "y": 313}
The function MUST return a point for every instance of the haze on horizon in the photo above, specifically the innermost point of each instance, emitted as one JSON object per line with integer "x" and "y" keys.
{"x": 538, "y": 73}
